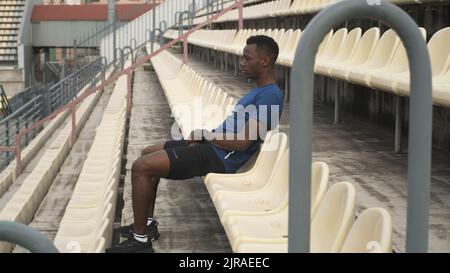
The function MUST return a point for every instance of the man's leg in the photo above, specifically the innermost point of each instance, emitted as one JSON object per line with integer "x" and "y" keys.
{"x": 144, "y": 186}
{"x": 145, "y": 151}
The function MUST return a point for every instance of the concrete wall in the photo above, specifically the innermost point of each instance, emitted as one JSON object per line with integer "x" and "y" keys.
{"x": 44, "y": 32}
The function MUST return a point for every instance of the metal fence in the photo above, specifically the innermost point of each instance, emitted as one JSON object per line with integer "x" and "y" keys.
{"x": 135, "y": 33}
{"x": 36, "y": 102}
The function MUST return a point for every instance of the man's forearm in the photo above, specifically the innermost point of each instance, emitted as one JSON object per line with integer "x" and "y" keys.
{"x": 229, "y": 142}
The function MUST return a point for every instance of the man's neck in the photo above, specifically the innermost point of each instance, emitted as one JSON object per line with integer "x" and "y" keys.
{"x": 265, "y": 80}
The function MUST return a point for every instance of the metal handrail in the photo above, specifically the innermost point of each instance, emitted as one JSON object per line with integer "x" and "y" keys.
{"x": 302, "y": 81}
{"x": 165, "y": 25}
{"x": 41, "y": 102}
{"x": 24, "y": 236}
{"x": 153, "y": 37}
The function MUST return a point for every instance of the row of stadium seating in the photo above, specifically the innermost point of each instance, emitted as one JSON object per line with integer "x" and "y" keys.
{"x": 89, "y": 216}
{"x": 281, "y": 8}
{"x": 349, "y": 55}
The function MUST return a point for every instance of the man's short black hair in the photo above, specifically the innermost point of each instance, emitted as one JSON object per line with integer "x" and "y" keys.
{"x": 266, "y": 45}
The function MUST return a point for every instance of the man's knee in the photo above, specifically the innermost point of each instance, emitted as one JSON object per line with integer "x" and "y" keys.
{"x": 140, "y": 167}
{"x": 152, "y": 149}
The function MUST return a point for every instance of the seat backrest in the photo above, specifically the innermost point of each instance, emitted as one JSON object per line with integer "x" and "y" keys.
{"x": 333, "y": 218}
{"x": 278, "y": 182}
{"x": 365, "y": 46}
{"x": 439, "y": 50}
{"x": 293, "y": 43}
{"x": 385, "y": 49}
{"x": 319, "y": 184}
{"x": 334, "y": 44}
{"x": 284, "y": 41}
{"x": 400, "y": 59}
{"x": 348, "y": 46}
{"x": 324, "y": 43}
{"x": 269, "y": 154}
{"x": 371, "y": 232}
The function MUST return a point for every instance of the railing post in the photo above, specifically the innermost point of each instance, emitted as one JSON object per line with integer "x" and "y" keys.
{"x": 241, "y": 15}
{"x": 129, "y": 91}
{"x": 74, "y": 62}
{"x": 18, "y": 154}
{"x": 154, "y": 13}
{"x": 73, "y": 110}
{"x": 26, "y": 237}
{"x": 185, "y": 49}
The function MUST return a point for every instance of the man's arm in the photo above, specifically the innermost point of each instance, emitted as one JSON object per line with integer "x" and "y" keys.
{"x": 237, "y": 142}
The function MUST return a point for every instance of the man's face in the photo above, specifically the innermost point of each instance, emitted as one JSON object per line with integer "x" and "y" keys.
{"x": 251, "y": 63}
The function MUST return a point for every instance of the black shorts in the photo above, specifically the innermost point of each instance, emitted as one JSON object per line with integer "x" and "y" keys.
{"x": 187, "y": 162}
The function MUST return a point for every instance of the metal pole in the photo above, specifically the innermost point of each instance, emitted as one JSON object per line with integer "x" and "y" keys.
{"x": 129, "y": 91}
{"x": 241, "y": 15}
{"x": 22, "y": 235}
{"x": 112, "y": 22}
{"x": 419, "y": 156}
{"x": 337, "y": 97}
{"x": 185, "y": 48}
{"x": 74, "y": 65}
{"x": 398, "y": 124}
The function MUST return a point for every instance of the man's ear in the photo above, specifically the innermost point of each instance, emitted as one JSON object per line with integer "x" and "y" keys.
{"x": 265, "y": 61}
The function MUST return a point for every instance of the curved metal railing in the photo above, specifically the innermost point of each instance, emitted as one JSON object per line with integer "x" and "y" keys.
{"x": 419, "y": 156}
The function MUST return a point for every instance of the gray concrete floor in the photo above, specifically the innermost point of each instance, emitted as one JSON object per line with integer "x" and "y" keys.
{"x": 356, "y": 150}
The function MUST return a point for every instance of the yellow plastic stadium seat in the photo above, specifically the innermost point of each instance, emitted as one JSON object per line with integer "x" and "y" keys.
{"x": 325, "y": 42}
{"x": 332, "y": 48}
{"x": 382, "y": 56}
{"x": 271, "y": 151}
{"x": 329, "y": 227}
{"x": 286, "y": 57}
{"x": 362, "y": 53}
{"x": 272, "y": 197}
{"x": 439, "y": 50}
{"x": 334, "y": 218}
{"x": 272, "y": 225}
{"x": 345, "y": 51}
{"x": 383, "y": 78}
{"x": 371, "y": 232}
{"x": 441, "y": 89}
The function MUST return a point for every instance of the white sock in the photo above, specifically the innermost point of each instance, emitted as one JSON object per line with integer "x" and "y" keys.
{"x": 140, "y": 238}
{"x": 150, "y": 220}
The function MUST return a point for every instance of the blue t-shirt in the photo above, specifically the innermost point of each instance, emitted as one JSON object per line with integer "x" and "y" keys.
{"x": 263, "y": 104}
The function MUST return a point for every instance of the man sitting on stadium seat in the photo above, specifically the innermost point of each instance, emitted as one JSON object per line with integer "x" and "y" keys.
{"x": 223, "y": 150}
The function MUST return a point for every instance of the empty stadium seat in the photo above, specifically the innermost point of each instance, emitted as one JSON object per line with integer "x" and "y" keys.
{"x": 439, "y": 57}
{"x": 362, "y": 53}
{"x": 383, "y": 78}
{"x": 345, "y": 51}
{"x": 271, "y": 151}
{"x": 272, "y": 197}
{"x": 334, "y": 218}
{"x": 382, "y": 56}
{"x": 371, "y": 232}
{"x": 329, "y": 227}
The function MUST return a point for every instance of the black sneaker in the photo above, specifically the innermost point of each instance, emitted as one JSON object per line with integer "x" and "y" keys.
{"x": 152, "y": 231}
{"x": 131, "y": 245}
